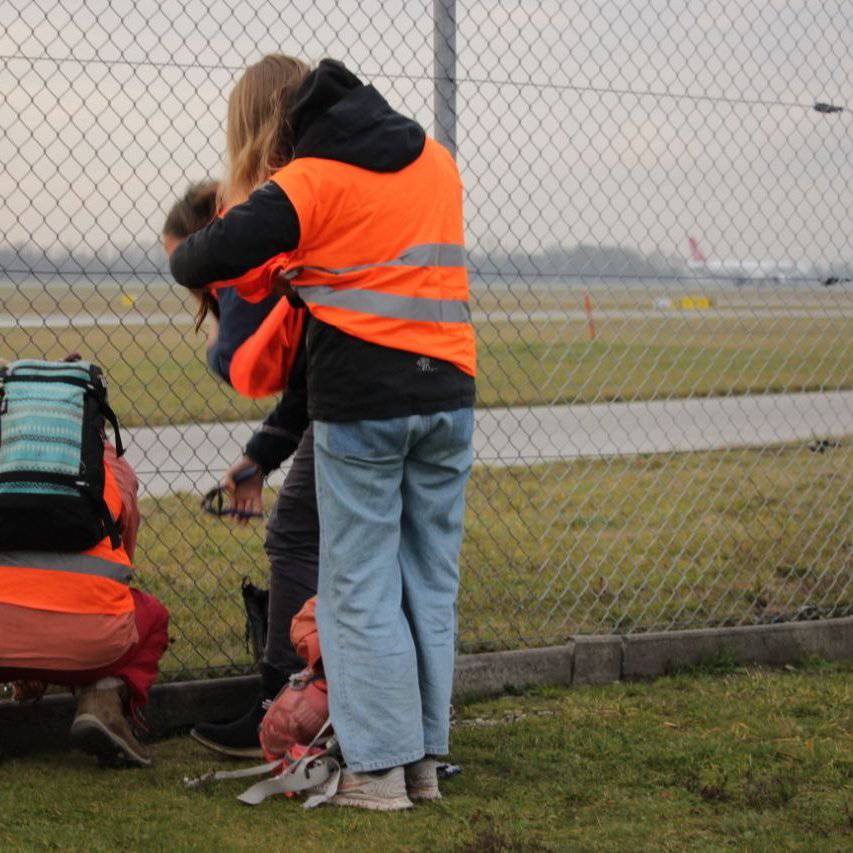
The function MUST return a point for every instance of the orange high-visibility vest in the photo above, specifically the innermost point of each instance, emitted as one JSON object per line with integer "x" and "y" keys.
{"x": 381, "y": 254}
{"x": 94, "y": 581}
{"x": 261, "y": 365}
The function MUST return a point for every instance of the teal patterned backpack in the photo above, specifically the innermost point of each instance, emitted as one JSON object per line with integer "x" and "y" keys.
{"x": 52, "y": 421}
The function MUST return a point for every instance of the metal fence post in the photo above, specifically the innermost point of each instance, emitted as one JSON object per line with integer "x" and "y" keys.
{"x": 444, "y": 72}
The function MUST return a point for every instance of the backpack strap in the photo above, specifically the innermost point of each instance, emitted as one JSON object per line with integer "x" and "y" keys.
{"x": 110, "y": 415}
{"x": 320, "y": 777}
{"x": 4, "y": 371}
{"x": 317, "y": 774}
{"x": 110, "y": 526}
{"x": 99, "y": 384}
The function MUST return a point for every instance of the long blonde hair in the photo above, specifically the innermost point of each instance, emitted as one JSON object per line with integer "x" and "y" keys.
{"x": 259, "y": 136}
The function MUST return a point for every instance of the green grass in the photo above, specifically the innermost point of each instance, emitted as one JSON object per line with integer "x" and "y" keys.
{"x": 752, "y": 759}
{"x": 651, "y": 359}
{"x": 666, "y": 541}
{"x": 158, "y": 374}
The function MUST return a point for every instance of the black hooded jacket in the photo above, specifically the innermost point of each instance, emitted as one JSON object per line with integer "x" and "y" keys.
{"x": 335, "y": 117}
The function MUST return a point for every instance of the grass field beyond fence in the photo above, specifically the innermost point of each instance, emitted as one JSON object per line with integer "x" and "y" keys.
{"x": 158, "y": 373}
{"x": 744, "y": 759}
{"x": 625, "y": 544}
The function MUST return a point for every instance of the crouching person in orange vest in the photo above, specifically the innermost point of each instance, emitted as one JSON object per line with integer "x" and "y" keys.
{"x": 72, "y": 618}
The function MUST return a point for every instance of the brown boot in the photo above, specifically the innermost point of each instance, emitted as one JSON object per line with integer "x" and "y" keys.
{"x": 101, "y": 729}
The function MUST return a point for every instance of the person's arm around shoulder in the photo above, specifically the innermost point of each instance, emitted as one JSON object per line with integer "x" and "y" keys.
{"x": 244, "y": 238}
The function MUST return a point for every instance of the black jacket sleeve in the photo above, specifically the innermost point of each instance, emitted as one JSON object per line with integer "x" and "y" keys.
{"x": 282, "y": 429}
{"x": 248, "y": 235}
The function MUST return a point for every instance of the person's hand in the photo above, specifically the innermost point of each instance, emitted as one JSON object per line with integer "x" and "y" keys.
{"x": 247, "y": 494}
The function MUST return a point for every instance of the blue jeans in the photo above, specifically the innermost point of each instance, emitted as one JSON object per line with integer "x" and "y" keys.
{"x": 391, "y": 497}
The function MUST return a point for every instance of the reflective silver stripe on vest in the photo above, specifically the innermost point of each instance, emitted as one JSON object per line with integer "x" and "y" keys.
{"x": 390, "y": 305}
{"x": 81, "y": 564}
{"x": 425, "y": 255}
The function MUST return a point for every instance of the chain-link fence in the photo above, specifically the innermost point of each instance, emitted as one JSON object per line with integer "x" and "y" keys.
{"x": 659, "y": 217}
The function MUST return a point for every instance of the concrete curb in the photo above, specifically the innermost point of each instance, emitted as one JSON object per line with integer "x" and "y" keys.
{"x": 172, "y": 707}
{"x": 501, "y": 672}
{"x": 598, "y": 659}
{"x": 648, "y": 655}
{"x": 603, "y": 659}
{"x": 584, "y": 660}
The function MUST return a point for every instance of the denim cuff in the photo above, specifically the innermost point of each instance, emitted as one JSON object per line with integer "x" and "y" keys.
{"x": 384, "y": 763}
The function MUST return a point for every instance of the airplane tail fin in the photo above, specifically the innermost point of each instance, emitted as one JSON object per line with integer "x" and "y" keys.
{"x": 695, "y": 252}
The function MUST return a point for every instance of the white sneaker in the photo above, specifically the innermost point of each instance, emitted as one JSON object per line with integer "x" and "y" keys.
{"x": 422, "y": 780}
{"x": 384, "y": 792}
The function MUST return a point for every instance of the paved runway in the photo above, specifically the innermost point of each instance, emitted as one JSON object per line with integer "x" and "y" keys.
{"x": 131, "y": 319}
{"x": 192, "y": 457}
{"x": 134, "y": 319}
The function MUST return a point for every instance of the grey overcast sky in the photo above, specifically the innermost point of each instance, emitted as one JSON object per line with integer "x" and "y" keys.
{"x": 632, "y": 123}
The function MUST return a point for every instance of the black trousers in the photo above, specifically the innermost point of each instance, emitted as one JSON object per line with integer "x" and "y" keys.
{"x": 293, "y": 548}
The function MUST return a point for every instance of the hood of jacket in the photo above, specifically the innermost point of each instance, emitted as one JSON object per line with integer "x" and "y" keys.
{"x": 337, "y": 117}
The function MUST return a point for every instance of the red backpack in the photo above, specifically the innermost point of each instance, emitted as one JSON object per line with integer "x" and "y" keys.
{"x": 301, "y": 709}
{"x": 296, "y": 733}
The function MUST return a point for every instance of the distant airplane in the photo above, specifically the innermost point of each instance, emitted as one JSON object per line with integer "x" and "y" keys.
{"x": 742, "y": 272}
